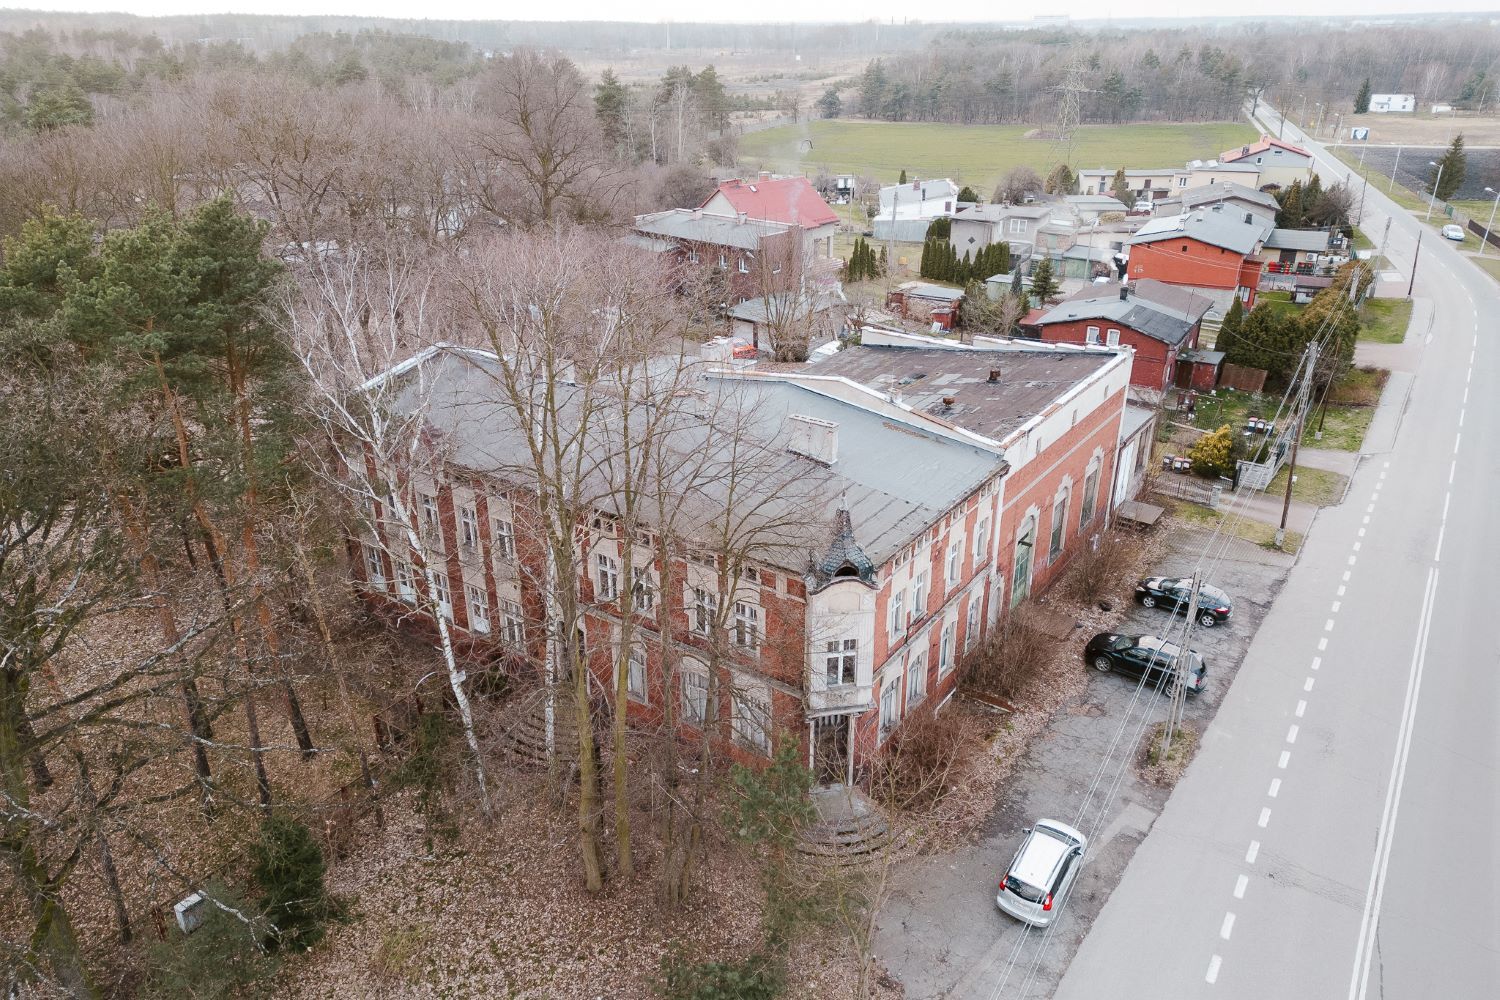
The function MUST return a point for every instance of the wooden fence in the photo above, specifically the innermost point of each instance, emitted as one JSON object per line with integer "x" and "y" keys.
{"x": 1242, "y": 378}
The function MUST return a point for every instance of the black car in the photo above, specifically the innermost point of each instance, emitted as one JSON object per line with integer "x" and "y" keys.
{"x": 1148, "y": 655}
{"x": 1214, "y": 605}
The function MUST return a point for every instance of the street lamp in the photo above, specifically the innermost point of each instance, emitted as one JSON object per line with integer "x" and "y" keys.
{"x": 1489, "y": 190}
{"x": 1436, "y": 181}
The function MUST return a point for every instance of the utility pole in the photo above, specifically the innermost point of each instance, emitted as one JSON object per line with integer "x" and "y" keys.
{"x": 1179, "y": 687}
{"x": 1291, "y": 470}
{"x": 1414, "y": 254}
{"x": 1394, "y": 167}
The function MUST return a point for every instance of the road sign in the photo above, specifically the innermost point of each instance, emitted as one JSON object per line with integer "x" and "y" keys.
{"x": 1359, "y": 134}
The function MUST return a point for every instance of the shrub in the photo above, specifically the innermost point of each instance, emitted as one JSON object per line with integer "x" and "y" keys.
{"x": 1097, "y": 571}
{"x": 216, "y": 961}
{"x": 397, "y": 952}
{"x": 1009, "y": 657}
{"x": 289, "y": 869}
{"x": 919, "y": 757}
{"x": 759, "y": 977}
{"x": 1212, "y": 454}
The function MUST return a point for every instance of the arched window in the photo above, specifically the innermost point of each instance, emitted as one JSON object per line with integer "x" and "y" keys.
{"x": 1090, "y": 493}
{"x": 1059, "y": 523}
{"x": 1020, "y": 585}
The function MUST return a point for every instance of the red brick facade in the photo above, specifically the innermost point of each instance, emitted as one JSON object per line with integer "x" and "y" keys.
{"x": 1183, "y": 260}
{"x": 1155, "y": 363}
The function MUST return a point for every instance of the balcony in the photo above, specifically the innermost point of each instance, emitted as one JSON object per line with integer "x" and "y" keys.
{"x": 843, "y": 698}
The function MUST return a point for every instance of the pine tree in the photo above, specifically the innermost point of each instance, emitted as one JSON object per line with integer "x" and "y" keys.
{"x": 1234, "y": 320}
{"x": 1454, "y": 165}
{"x": 1362, "y": 99}
{"x": 829, "y": 105}
{"x": 967, "y": 193}
{"x": 884, "y": 263}
{"x": 611, "y": 105}
{"x": 902, "y": 178}
{"x": 1291, "y": 214}
{"x": 1120, "y": 188}
{"x": 1043, "y": 284}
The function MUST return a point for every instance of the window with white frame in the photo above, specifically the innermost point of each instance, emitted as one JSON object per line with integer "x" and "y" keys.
{"x": 841, "y": 661}
{"x": 746, "y": 625}
{"x": 723, "y": 260}
{"x": 405, "y": 581}
{"x": 642, "y": 590}
{"x": 512, "y": 627}
{"x": 1091, "y": 335}
{"x": 705, "y": 610}
{"x": 468, "y": 528}
{"x": 374, "y": 568}
{"x": 429, "y": 514}
{"x": 916, "y": 679}
{"x": 1090, "y": 495}
{"x": 890, "y": 707}
{"x": 981, "y": 540}
{"x": 606, "y": 578}
{"x": 971, "y": 627}
{"x": 694, "y": 680}
{"x": 635, "y": 679}
{"x": 692, "y": 256}
{"x": 752, "y": 715}
{"x": 479, "y": 608}
{"x": 946, "y": 648}
{"x": 1018, "y": 225}
{"x": 1059, "y": 524}
{"x": 442, "y": 595}
{"x": 744, "y": 265}
{"x": 504, "y": 541}
{"x": 1112, "y": 338}
{"x": 919, "y": 596}
{"x": 898, "y": 612}
{"x": 955, "y": 562}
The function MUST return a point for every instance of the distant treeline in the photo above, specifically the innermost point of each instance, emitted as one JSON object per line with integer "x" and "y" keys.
{"x": 1186, "y": 74}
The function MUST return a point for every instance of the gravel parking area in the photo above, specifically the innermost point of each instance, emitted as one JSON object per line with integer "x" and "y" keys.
{"x": 941, "y": 934}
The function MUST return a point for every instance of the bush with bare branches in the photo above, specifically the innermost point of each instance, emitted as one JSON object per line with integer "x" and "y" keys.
{"x": 1101, "y": 570}
{"x": 919, "y": 761}
{"x": 1010, "y": 656}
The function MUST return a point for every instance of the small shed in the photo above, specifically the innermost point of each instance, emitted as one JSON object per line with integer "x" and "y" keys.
{"x": 1198, "y": 369}
{"x": 926, "y": 302}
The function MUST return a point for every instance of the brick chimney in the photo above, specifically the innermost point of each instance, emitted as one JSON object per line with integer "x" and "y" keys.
{"x": 1124, "y": 291}
{"x": 994, "y": 376}
{"x": 765, "y": 175}
{"x": 697, "y": 214}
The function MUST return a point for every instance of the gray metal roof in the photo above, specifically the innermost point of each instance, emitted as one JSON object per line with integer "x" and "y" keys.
{"x": 1214, "y": 228}
{"x": 699, "y": 227}
{"x": 926, "y": 290}
{"x": 1140, "y": 315}
{"x": 1312, "y": 240}
{"x": 895, "y": 479}
{"x": 1182, "y": 300}
{"x": 1225, "y": 191}
{"x": 1029, "y": 380}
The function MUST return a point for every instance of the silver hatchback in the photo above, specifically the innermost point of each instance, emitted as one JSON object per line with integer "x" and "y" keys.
{"x": 1037, "y": 881}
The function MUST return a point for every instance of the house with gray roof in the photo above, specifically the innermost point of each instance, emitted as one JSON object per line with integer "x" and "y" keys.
{"x": 747, "y": 257}
{"x": 1156, "y": 321}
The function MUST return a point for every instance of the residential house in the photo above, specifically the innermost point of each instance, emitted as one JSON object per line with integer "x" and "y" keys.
{"x": 791, "y": 201}
{"x": 977, "y": 226}
{"x": 1133, "y": 455}
{"x": 749, "y": 256}
{"x": 926, "y": 303}
{"x": 1146, "y": 184}
{"x": 1157, "y": 321}
{"x": 907, "y": 209}
{"x": 894, "y": 548}
{"x": 755, "y": 321}
{"x": 1087, "y": 208}
{"x": 1279, "y": 162}
{"x": 1384, "y": 104}
{"x": 1201, "y": 173}
{"x": 1215, "y": 252}
{"x": 1227, "y": 196}
{"x": 1294, "y": 252}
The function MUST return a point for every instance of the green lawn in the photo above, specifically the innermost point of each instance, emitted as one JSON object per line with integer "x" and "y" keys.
{"x": 976, "y": 154}
{"x": 1489, "y": 265}
{"x": 1279, "y": 302}
{"x": 1343, "y": 428}
{"x": 1252, "y": 531}
{"x": 1361, "y": 241}
{"x": 1384, "y": 321}
{"x": 1314, "y": 486}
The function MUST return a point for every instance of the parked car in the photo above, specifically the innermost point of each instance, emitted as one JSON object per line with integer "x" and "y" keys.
{"x": 1146, "y": 655}
{"x": 1033, "y": 887}
{"x": 1214, "y": 606}
{"x": 1454, "y": 233}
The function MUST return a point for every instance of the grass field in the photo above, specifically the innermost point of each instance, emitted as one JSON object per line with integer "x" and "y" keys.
{"x": 1489, "y": 265}
{"x": 1263, "y": 535}
{"x": 979, "y": 154}
{"x": 1385, "y": 320}
{"x": 1315, "y": 486}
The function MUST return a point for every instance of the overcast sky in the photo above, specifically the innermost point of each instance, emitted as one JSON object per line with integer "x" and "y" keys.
{"x": 761, "y": 11}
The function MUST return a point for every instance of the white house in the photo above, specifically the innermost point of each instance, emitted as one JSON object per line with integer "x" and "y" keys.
{"x": 906, "y": 209}
{"x": 1385, "y": 103}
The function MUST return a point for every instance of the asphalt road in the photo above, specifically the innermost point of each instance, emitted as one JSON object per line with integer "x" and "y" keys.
{"x": 1339, "y": 833}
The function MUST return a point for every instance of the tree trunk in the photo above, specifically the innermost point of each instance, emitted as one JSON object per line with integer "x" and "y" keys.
{"x": 52, "y": 934}
{"x": 252, "y": 554}
{"x": 588, "y": 776}
{"x": 620, "y": 761}
{"x": 90, "y": 804}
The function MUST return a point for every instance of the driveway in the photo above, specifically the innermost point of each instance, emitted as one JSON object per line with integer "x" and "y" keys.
{"x": 940, "y": 933}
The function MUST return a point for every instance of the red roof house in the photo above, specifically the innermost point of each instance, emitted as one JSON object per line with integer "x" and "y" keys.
{"x": 791, "y": 201}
